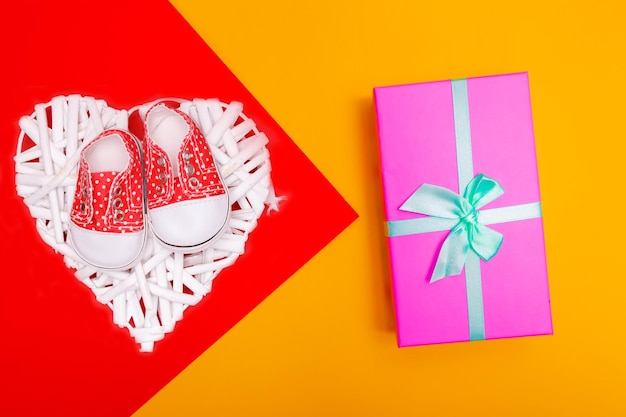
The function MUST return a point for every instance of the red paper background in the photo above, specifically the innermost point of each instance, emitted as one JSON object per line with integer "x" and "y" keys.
{"x": 60, "y": 353}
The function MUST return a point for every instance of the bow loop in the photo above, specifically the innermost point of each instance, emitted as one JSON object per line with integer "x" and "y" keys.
{"x": 484, "y": 241}
{"x": 436, "y": 201}
{"x": 482, "y": 190}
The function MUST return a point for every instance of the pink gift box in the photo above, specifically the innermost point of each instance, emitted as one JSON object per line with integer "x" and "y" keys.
{"x": 445, "y": 133}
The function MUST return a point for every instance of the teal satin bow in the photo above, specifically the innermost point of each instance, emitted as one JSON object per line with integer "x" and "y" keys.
{"x": 468, "y": 233}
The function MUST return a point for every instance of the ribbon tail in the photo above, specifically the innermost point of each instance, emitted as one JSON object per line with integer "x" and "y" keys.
{"x": 452, "y": 255}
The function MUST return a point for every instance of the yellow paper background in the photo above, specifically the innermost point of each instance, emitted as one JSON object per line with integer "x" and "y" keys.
{"x": 323, "y": 344}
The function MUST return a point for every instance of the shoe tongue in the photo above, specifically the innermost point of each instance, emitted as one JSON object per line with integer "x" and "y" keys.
{"x": 158, "y": 115}
{"x": 107, "y": 154}
{"x": 168, "y": 129}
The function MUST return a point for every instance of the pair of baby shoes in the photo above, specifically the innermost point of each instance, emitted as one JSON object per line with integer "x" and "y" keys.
{"x": 163, "y": 178}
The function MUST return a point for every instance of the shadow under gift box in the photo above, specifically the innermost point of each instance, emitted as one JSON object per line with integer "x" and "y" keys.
{"x": 444, "y": 133}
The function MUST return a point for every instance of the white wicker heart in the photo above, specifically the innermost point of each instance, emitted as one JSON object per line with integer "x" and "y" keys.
{"x": 151, "y": 297}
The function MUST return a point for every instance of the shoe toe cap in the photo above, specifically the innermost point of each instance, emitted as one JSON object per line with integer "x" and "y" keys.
{"x": 192, "y": 223}
{"x": 107, "y": 250}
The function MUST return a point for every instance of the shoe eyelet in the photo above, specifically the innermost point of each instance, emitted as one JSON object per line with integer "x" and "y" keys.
{"x": 117, "y": 203}
{"x": 160, "y": 190}
{"x": 118, "y": 216}
{"x": 193, "y": 183}
{"x": 186, "y": 155}
{"x": 160, "y": 161}
{"x": 117, "y": 190}
{"x": 162, "y": 177}
{"x": 83, "y": 208}
{"x": 190, "y": 169}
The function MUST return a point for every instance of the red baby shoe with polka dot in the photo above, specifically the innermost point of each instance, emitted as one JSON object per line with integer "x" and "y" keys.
{"x": 188, "y": 204}
{"x": 106, "y": 225}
